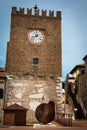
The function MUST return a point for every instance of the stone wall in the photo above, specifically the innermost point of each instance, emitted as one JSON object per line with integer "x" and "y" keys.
{"x": 30, "y": 91}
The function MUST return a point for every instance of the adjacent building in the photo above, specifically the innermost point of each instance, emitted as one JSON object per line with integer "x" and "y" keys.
{"x": 82, "y": 89}
{"x": 76, "y": 90}
{"x": 2, "y": 92}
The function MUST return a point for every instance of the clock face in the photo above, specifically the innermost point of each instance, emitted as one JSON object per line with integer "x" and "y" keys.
{"x": 36, "y": 36}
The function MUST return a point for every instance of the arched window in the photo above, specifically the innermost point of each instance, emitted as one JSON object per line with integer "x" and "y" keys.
{"x": 1, "y": 93}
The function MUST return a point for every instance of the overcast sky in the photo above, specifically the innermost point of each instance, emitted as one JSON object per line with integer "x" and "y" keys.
{"x": 74, "y": 28}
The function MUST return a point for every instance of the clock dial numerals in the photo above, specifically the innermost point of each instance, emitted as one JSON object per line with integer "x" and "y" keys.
{"x": 36, "y": 36}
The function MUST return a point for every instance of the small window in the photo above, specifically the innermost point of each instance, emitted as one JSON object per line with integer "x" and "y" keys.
{"x": 35, "y": 61}
{"x": 1, "y": 93}
{"x": 82, "y": 72}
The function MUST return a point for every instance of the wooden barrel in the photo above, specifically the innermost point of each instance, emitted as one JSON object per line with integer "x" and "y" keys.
{"x": 45, "y": 113}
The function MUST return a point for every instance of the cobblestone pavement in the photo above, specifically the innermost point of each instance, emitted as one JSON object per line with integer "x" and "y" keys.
{"x": 76, "y": 125}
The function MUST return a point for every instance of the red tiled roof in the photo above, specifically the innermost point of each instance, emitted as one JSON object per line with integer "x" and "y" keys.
{"x": 15, "y": 107}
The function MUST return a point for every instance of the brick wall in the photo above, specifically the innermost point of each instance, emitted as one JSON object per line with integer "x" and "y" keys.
{"x": 20, "y": 51}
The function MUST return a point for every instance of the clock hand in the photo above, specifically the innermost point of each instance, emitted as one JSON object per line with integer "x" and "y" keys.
{"x": 36, "y": 35}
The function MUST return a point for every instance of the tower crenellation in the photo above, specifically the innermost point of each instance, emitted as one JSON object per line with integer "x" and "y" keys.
{"x": 21, "y": 10}
{"x": 51, "y": 13}
{"x": 58, "y": 14}
{"x": 14, "y": 10}
{"x": 29, "y": 12}
{"x": 44, "y": 12}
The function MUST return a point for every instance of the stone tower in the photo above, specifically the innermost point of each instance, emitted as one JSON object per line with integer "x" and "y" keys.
{"x": 34, "y": 60}
{"x": 21, "y": 51}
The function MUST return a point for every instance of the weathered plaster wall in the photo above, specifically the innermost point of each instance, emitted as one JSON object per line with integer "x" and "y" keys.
{"x": 29, "y": 91}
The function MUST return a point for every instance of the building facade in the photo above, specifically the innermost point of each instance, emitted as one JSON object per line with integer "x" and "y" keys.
{"x": 76, "y": 93}
{"x": 82, "y": 89}
{"x": 34, "y": 60}
{"x": 2, "y": 92}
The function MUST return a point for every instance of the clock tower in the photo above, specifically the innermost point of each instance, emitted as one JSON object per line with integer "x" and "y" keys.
{"x": 34, "y": 59}
{"x": 34, "y": 37}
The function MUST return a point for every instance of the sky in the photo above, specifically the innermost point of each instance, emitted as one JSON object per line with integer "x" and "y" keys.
{"x": 74, "y": 28}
